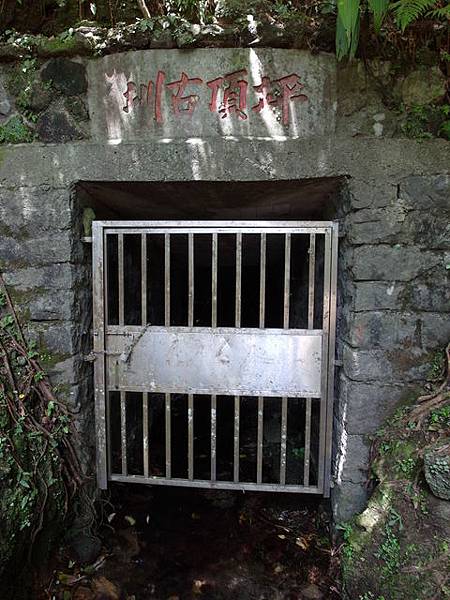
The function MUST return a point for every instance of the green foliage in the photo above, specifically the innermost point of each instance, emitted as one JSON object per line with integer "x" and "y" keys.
{"x": 437, "y": 365}
{"x": 298, "y": 453}
{"x": 439, "y": 418}
{"x": 310, "y": 20}
{"x": 405, "y": 13}
{"x": 406, "y": 467}
{"x": 423, "y": 122}
{"x": 15, "y": 131}
{"x": 347, "y": 27}
{"x": 348, "y": 549}
{"x": 379, "y": 9}
{"x": 418, "y": 498}
{"x": 440, "y": 13}
{"x": 390, "y": 551}
{"x": 39, "y": 470}
{"x": 408, "y": 11}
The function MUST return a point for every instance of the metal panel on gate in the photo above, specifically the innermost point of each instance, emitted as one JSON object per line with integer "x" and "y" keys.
{"x": 267, "y": 387}
{"x": 217, "y": 361}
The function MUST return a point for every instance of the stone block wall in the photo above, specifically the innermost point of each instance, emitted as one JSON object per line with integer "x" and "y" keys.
{"x": 394, "y": 313}
{"x": 46, "y": 268}
{"x": 393, "y": 262}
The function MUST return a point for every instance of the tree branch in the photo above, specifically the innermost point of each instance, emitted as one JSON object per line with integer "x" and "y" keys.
{"x": 144, "y": 9}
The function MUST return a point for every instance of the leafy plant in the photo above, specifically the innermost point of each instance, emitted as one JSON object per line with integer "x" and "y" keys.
{"x": 405, "y": 12}
{"x": 348, "y": 549}
{"x": 347, "y": 27}
{"x": 389, "y": 551}
{"x": 439, "y": 418}
{"x": 298, "y": 453}
{"x": 39, "y": 468}
{"x": 406, "y": 466}
{"x": 15, "y": 131}
{"x": 408, "y": 11}
{"x": 427, "y": 121}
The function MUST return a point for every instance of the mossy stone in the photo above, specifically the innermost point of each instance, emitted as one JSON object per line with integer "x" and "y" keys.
{"x": 54, "y": 126}
{"x": 67, "y": 76}
{"x": 423, "y": 86}
{"x": 437, "y": 469}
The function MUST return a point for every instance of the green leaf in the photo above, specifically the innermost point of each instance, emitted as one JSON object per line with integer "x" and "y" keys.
{"x": 349, "y": 11}
{"x": 440, "y": 13}
{"x": 379, "y": 9}
{"x": 347, "y": 28}
{"x": 408, "y": 11}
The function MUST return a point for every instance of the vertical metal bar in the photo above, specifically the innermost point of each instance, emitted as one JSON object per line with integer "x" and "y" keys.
{"x": 145, "y": 431}
{"x": 237, "y": 403}
{"x": 312, "y": 269}
{"x": 191, "y": 279}
{"x": 306, "y": 458}
{"x": 214, "y": 282}
{"x": 104, "y": 259}
{"x": 121, "y": 282}
{"x": 287, "y": 279}
{"x": 168, "y": 438}
{"x": 262, "y": 282}
{"x": 103, "y": 442}
{"x": 190, "y": 437}
{"x": 325, "y": 351}
{"x": 331, "y": 357}
{"x": 167, "y": 279}
{"x": 144, "y": 278}
{"x": 108, "y": 434}
{"x": 238, "y": 279}
{"x": 213, "y": 436}
{"x": 284, "y": 406}
{"x": 259, "y": 450}
{"x": 123, "y": 431}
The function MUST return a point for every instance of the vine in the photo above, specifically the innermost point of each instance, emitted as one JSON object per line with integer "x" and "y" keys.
{"x": 40, "y": 473}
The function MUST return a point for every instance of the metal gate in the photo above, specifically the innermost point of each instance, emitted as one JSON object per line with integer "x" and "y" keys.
{"x": 214, "y": 345}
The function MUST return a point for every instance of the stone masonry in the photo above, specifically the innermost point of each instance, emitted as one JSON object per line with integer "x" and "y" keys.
{"x": 394, "y": 258}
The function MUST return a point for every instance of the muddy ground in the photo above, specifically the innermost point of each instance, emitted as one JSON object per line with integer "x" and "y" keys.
{"x": 182, "y": 544}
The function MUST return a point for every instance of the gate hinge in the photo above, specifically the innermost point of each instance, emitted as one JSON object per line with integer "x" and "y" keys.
{"x": 89, "y": 357}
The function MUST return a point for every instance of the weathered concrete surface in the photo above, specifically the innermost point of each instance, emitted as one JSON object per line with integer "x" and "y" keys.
{"x": 370, "y": 164}
{"x": 121, "y": 109}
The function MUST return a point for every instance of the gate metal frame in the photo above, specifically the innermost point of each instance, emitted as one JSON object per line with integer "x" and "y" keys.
{"x": 330, "y": 231}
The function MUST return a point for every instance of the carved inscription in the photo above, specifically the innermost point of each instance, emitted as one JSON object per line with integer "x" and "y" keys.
{"x": 228, "y": 95}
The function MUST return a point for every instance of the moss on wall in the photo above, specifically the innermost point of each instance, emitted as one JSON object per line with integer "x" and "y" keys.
{"x": 398, "y": 548}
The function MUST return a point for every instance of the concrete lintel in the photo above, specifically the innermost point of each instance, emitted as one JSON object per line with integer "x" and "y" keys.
{"x": 222, "y": 159}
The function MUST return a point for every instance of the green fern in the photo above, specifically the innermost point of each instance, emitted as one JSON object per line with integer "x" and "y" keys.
{"x": 440, "y": 13}
{"x": 408, "y": 11}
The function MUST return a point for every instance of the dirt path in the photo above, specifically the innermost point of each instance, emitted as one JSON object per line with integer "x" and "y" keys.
{"x": 170, "y": 544}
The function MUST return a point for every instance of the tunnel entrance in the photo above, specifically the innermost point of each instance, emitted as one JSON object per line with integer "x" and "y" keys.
{"x": 222, "y": 543}
{"x": 229, "y": 443}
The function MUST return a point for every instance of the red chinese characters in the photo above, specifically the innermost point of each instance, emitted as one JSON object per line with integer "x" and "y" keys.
{"x": 234, "y": 95}
{"x": 285, "y": 89}
{"x": 228, "y": 95}
{"x": 180, "y": 103}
